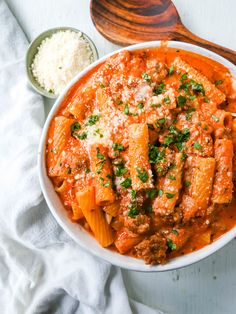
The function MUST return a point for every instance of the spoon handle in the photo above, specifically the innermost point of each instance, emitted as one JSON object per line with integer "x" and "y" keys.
{"x": 187, "y": 36}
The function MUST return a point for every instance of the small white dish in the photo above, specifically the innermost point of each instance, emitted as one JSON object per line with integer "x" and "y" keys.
{"x": 83, "y": 238}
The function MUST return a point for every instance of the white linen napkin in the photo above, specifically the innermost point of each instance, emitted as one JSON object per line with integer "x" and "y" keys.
{"x": 41, "y": 269}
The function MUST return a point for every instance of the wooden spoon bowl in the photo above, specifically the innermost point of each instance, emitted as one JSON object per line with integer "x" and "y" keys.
{"x": 134, "y": 21}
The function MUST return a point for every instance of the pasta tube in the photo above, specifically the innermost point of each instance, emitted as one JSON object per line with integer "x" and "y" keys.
{"x": 102, "y": 172}
{"x": 95, "y": 217}
{"x": 140, "y": 169}
{"x": 223, "y": 185}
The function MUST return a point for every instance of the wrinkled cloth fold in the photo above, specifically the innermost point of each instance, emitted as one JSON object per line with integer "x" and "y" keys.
{"x": 41, "y": 269}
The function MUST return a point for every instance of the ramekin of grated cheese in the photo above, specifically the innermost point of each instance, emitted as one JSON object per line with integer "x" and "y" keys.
{"x": 55, "y": 57}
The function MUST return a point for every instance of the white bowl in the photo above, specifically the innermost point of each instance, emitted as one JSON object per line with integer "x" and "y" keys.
{"x": 83, "y": 238}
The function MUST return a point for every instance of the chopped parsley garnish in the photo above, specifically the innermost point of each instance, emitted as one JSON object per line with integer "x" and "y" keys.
{"x": 197, "y": 87}
{"x": 175, "y": 232}
{"x": 76, "y": 126}
{"x": 159, "y": 89}
{"x": 133, "y": 194}
{"x": 119, "y": 102}
{"x": 155, "y": 154}
{"x": 170, "y": 195}
{"x": 184, "y": 77}
{"x": 141, "y": 107}
{"x": 146, "y": 77}
{"x": 150, "y": 126}
{"x": 126, "y": 110}
{"x": 171, "y": 245}
{"x": 120, "y": 169}
{"x": 181, "y": 101}
{"x": 171, "y": 69}
{"x": 117, "y": 146}
{"x": 107, "y": 184}
{"x": 218, "y": 82}
{"x": 187, "y": 184}
{"x": 177, "y": 137}
{"x": 197, "y": 146}
{"x": 87, "y": 170}
{"x": 184, "y": 156}
{"x": 172, "y": 178}
{"x": 215, "y": 118}
{"x": 167, "y": 100}
{"x": 172, "y": 165}
{"x": 97, "y": 132}
{"x": 102, "y": 85}
{"x": 159, "y": 169}
{"x": 190, "y": 110}
{"x": 99, "y": 155}
{"x": 92, "y": 120}
{"x": 142, "y": 175}
{"x": 192, "y": 97}
{"x": 206, "y": 99}
{"x": 133, "y": 210}
{"x": 152, "y": 193}
{"x": 160, "y": 122}
{"x": 83, "y": 135}
{"x": 160, "y": 192}
{"x": 126, "y": 183}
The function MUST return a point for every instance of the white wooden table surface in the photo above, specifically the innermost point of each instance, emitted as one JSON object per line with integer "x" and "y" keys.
{"x": 210, "y": 285}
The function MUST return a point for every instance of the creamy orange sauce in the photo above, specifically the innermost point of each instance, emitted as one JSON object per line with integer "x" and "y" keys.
{"x": 184, "y": 116}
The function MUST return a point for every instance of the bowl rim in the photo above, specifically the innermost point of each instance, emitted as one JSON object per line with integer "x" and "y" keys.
{"x": 87, "y": 241}
{"x": 48, "y": 33}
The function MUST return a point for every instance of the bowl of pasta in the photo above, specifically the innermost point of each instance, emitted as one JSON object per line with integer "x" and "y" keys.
{"x": 136, "y": 156}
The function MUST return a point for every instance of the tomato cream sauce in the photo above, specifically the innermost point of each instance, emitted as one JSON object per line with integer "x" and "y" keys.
{"x": 181, "y": 103}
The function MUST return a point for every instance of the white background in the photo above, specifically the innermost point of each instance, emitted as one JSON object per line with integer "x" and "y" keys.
{"x": 208, "y": 286}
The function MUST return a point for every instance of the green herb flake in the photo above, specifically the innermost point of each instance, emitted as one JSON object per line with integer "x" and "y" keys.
{"x": 155, "y": 154}
{"x": 169, "y": 195}
{"x": 171, "y": 245}
{"x": 159, "y": 89}
{"x": 146, "y": 77}
{"x": 160, "y": 192}
{"x": 197, "y": 146}
{"x": 175, "y": 232}
{"x": 184, "y": 156}
{"x": 87, "y": 170}
{"x": 141, "y": 107}
{"x": 117, "y": 146}
{"x": 119, "y": 102}
{"x": 151, "y": 193}
{"x": 93, "y": 119}
{"x": 83, "y": 135}
{"x": 99, "y": 155}
{"x": 120, "y": 169}
{"x": 142, "y": 175}
{"x": 126, "y": 183}
{"x": 187, "y": 184}
{"x": 133, "y": 210}
{"x": 75, "y": 126}
{"x": 206, "y": 99}
{"x": 160, "y": 122}
{"x": 167, "y": 100}
{"x": 197, "y": 87}
{"x": 126, "y": 110}
{"x": 172, "y": 178}
{"x": 171, "y": 69}
{"x": 181, "y": 101}
{"x": 150, "y": 126}
{"x": 133, "y": 194}
{"x": 159, "y": 169}
{"x": 102, "y": 85}
{"x": 189, "y": 110}
{"x": 218, "y": 82}
{"x": 184, "y": 77}
{"x": 192, "y": 97}
{"x": 215, "y": 118}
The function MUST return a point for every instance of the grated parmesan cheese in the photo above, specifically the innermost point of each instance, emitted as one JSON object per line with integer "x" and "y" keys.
{"x": 59, "y": 58}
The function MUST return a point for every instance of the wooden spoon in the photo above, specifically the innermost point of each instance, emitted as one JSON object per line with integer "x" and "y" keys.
{"x": 128, "y": 22}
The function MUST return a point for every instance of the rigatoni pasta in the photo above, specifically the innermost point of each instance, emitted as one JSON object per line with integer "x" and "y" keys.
{"x": 141, "y": 153}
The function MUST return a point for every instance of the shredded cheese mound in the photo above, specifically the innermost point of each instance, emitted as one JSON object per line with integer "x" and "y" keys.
{"x": 59, "y": 58}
